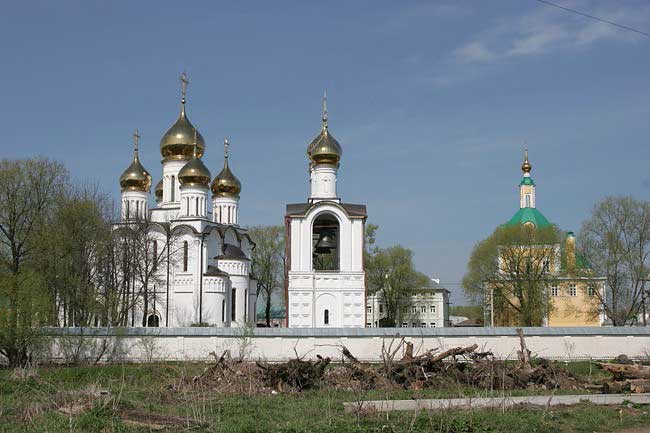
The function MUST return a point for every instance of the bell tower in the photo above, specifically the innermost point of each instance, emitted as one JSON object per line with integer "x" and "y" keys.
{"x": 325, "y": 283}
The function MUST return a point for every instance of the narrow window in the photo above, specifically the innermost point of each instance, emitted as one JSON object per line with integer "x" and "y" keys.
{"x": 381, "y": 308}
{"x": 591, "y": 290}
{"x": 197, "y": 206}
{"x": 155, "y": 255}
{"x": 369, "y": 308}
{"x": 128, "y": 208}
{"x": 223, "y": 311}
{"x": 137, "y": 209}
{"x": 554, "y": 291}
{"x": 527, "y": 200}
{"x": 185, "y": 253}
{"x": 233, "y": 304}
{"x": 173, "y": 189}
{"x": 326, "y": 317}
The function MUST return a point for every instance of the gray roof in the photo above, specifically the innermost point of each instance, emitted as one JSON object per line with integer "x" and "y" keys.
{"x": 353, "y": 210}
{"x": 214, "y": 271}
{"x": 232, "y": 252}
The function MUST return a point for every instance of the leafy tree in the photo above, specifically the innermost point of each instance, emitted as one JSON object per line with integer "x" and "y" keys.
{"x": 615, "y": 240}
{"x": 29, "y": 190}
{"x": 268, "y": 263}
{"x": 514, "y": 267}
{"x": 391, "y": 275}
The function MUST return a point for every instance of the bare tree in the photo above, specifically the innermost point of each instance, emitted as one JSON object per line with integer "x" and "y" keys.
{"x": 268, "y": 263}
{"x": 615, "y": 240}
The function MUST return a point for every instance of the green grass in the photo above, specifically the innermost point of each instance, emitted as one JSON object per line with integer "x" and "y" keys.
{"x": 30, "y": 405}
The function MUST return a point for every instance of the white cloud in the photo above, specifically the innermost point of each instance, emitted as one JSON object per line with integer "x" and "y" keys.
{"x": 474, "y": 52}
{"x": 546, "y": 29}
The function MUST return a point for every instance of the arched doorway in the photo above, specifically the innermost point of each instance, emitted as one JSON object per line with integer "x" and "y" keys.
{"x": 153, "y": 321}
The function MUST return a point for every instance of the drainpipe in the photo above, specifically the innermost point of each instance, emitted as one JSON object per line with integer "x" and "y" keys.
{"x": 201, "y": 281}
{"x": 167, "y": 297}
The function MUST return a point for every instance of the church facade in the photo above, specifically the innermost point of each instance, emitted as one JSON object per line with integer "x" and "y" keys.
{"x": 196, "y": 261}
{"x": 325, "y": 283}
{"x": 574, "y": 293}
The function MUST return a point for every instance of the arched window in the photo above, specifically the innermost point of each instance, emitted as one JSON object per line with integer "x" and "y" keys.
{"x": 197, "y": 206}
{"x": 153, "y": 321}
{"x": 233, "y": 304}
{"x": 527, "y": 200}
{"x": 325, "y": 241}
{"x": 326, "y": 317}
{"x": 185, "y": 253}
{"x": 223, "y": 311}
{"x": 173, "y": 189}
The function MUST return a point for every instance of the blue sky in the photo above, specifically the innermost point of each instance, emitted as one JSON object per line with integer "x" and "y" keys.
{"x": 431, "y": 102}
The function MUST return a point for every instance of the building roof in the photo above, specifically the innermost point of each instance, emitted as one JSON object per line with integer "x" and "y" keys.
{"x": 353, "y": 210}
{"x": 529, "y": 215}
{"x": 527, "y": 180}
{"x": 214, "y": 271}
{"x": 232, "y": 252}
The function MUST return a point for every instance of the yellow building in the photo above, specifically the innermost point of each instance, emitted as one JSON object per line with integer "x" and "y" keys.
{"x": 571, "y": 290}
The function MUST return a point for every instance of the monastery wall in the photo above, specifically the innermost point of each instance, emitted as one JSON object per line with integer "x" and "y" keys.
{"x": 281, "y": 344}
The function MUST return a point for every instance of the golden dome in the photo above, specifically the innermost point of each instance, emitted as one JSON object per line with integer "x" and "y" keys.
{"x": 178, "y": 142}
{"x": 135, "y": 177}
{"x": 225, "y": 183}
{"x": 526, "y": 167}
{"x": 194, "y": 173}
{"x": 324, "y": 149}
{"x": 158, "y": 190}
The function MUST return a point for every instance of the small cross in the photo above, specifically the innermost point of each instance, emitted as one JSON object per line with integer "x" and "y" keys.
{"x": 325, "y": 109}
{"x": 136, "y": 139}
{"x": 184, "y": 82}
{"x": 226, "y": 145}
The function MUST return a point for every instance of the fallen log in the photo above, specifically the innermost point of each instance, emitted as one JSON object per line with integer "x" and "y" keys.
{"x": 639, "y": 385}
{"x": 627, "y": 371}
{"x": 456, "y": 351}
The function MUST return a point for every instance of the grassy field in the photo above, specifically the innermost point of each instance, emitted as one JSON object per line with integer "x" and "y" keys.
{"x": 133, "y": 396}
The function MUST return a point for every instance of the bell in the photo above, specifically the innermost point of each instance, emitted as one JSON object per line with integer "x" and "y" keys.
{"x": 325, "y": 244}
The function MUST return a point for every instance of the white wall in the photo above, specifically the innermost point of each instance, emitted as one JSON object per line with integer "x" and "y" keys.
{"x": 273, "y": 344}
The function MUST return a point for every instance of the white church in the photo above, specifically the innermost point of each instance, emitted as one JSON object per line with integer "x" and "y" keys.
{"x": 208, "y": 281}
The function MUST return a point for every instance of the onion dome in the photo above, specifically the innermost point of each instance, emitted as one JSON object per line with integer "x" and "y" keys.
{"x": 178, "y": 141}
{"x": 194, "y": 172}
{"x": 324, "y": 149}
{"x": 226, "y": 184}
{"x": 158, "y": 190}
{"x": 526, "y": 167}
{"x": 135, "y": 177}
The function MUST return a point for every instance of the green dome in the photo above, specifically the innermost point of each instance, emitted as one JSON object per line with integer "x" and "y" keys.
{"x": 529, "y": 215}
{"x": 527, "y": 181}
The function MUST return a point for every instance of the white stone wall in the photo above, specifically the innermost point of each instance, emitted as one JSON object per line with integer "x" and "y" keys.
{"x": 192, "y": 344}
